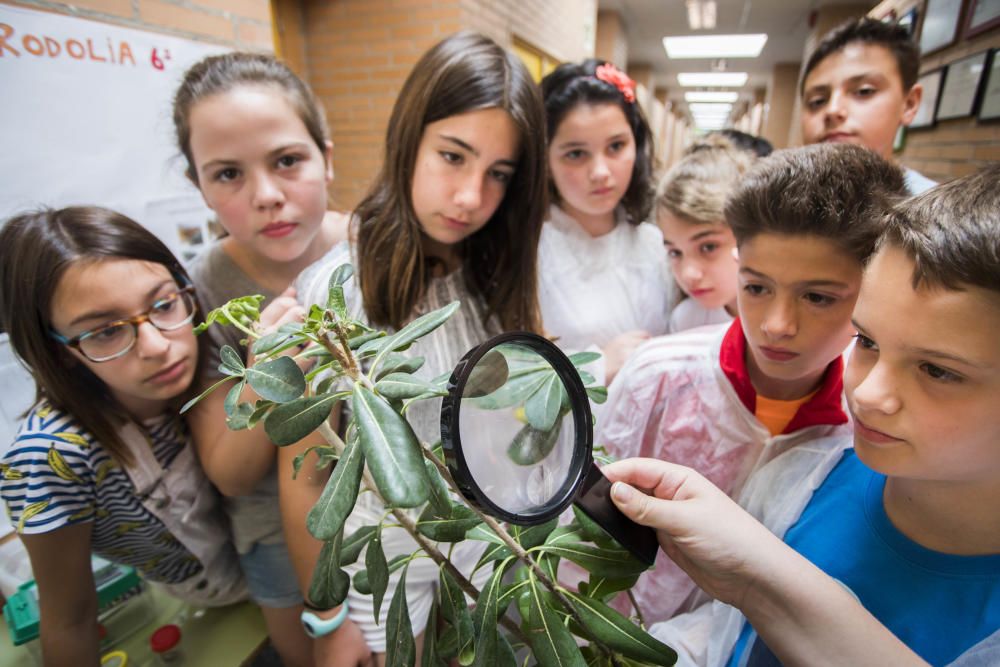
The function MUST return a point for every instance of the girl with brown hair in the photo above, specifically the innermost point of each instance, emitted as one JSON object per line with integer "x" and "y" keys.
{"x": 454, "y": 214}
{"x": 100, "y": 312}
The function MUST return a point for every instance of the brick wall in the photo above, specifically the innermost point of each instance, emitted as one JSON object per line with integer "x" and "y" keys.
{"x": 359, "y": 52}
{"x": 956, "y": 147}
{"x": 241, "y": 24}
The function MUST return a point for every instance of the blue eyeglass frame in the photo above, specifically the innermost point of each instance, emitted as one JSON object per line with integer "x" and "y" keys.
{"x": 135, "y": 321}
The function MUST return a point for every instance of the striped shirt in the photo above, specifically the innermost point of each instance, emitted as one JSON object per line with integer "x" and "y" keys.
{"x": 56, "y": 474}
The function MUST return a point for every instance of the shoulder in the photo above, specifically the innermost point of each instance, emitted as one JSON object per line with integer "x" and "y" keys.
{"x": 47, "y": 475}
{"x": 207, "y": 262}
{"x": 689, "y": 314}
{"x": 917, "y": 182}
{"x": 679, "y": 349}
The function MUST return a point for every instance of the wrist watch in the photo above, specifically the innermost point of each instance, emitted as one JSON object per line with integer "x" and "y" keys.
{"x": 320, "y": 627}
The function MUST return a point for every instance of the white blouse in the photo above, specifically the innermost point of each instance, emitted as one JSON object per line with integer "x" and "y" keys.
{"x": 593, "y": 289}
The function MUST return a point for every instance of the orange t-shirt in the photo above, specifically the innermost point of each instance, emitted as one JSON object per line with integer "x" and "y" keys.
{"x": 775, "y": 414}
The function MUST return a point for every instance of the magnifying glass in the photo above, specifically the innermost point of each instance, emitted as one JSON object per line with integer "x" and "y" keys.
{"x": 518, "y": 439}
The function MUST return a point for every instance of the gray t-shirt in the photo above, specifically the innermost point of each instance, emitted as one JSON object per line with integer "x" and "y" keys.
{"x": 255, "y": 517}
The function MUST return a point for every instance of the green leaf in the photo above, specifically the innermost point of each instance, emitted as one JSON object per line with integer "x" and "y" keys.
{"x": 240, "y": 418}
{"x": 260, "y": 410}
{"x": 551, "y": 642}
{"x": 586, "y": 378}
{"x": 328, "y": 515}
{"x": 603, "y": 588}
{"x": 482, "y": 533}
{"x": 597, "y": 394}
{"x": 401, "y": 386}
{"x": 489, "y": 374}
{"x": 489, "y": 614}
{"x": 354, "y": 543}
{"x": 619, "y": 633}
{"x": 439, "y": 498}
{"x": 530, "y": 537}
{"x": 505, "y": 653}
{"x": 330, "y": 583}
{"x": 487, "y": 636}
{"x": 359, "y": 340}
{"x": 233, "y": 397}
{"x": 512, "y": 394}
{"x": 602, "y": 561}
{"x": 542, "y": 407}
{"x": 289, "y": 423}
{"x": 378, "y": 571}
{"x": 429, "y": 656}
{"x": 325, "y": 455}
{"x": 231, "y": 362}
{"x": 400, "y": 649}
{"x": 337, "y": 302}
{"x": 270, "y": 342}
{"x": 450, "y": 529}
{"x": 588, "y": 527}
{"x": 279, "y": 380}
{"x": 361, "y": 583}
{"x": 455, "y": 610}
{"x": 341, "y": 274}
{"x": 242, "y": 311}
{"x": 416, "y": 329}
{"x": 530, "y": 445}
{"x": 391, "y": 448}
{"x": 399, "y": 363}
{"x": 584, "y": 358}
{"x": 190, "y": 404}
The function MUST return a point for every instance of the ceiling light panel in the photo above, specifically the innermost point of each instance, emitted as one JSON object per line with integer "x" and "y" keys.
{"x": 709, "y": 107}
{"x": 714, "y": 46}
{"x": 712, "y": 79}
{"x": 701, "y": 14}
{"x": 711, "y": 96}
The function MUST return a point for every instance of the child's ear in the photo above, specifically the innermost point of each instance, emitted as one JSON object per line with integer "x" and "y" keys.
{"x": 911, "y": 103}
{"x": 328, "y": 158}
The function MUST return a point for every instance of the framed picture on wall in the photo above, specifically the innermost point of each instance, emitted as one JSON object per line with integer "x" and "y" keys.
{"x": 931, "y": 82}
{"x": 961, "y": 87}
{"x": 940, "y": 24}
{"x": 989, "y": 108}
{"x": 983, "y": 15}
{"x": 909, "y": 20}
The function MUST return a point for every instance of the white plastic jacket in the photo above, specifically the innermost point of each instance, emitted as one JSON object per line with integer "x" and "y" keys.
{"x": 686, "y": 398}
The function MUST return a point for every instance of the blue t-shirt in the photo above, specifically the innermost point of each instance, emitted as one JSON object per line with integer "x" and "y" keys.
{"x": 939, "y": 605}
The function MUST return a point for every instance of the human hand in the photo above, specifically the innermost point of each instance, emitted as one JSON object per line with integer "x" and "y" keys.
{"x": 720, "y": 546}
{"x": 618, "y": 350}
{"x": 344, "y": 647}
{"x": 282, "y": 310}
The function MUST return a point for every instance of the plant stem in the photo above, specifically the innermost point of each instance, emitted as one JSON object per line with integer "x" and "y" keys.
{"x": 512, "y": 544}
{"x": 638, "y": 612}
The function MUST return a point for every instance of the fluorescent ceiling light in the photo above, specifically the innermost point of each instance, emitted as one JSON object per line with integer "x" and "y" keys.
{"x": 712, "y": 79}
{"x": 711, "y": 96}
{"x": 704, "y": 107}
{"x": 714, "y": 46}
{"x": 701, "y": 14}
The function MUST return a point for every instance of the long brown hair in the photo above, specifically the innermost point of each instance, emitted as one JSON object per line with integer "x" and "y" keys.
{"x": 36, "y": 249}
{"x": 465, "y": 72}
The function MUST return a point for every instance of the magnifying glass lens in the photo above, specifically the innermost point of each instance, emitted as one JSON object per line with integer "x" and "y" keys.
{"x": 518, "y": 430}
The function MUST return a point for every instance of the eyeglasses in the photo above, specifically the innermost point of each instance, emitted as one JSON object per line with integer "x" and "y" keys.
{"x": 112, "y": 340}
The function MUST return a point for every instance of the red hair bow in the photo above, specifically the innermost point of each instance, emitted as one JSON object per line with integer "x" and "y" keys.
{"x": 608, "y": 73}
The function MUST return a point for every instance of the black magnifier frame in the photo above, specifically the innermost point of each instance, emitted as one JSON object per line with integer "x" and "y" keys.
{"x": 584, "y": 485}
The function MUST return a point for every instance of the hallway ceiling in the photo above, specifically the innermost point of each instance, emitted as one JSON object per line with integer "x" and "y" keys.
{"x": 646, "y": 22}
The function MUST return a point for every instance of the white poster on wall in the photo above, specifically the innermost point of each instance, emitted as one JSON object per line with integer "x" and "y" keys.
{"x": 86, "y": 119}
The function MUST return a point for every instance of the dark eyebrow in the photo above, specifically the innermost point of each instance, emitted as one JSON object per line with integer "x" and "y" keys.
{"x": 804, "y": 283}
{"x": 277, "y": 151}
{"x": 465, "y": 146}
{"x": 108, "y": 315}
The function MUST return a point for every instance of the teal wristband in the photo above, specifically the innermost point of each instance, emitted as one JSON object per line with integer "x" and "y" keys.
{"x": 320, "y": 627}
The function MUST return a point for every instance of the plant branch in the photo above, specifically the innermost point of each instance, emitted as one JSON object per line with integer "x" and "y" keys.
{"x": 638, "y": 612}
{"x": 512, "y": 544}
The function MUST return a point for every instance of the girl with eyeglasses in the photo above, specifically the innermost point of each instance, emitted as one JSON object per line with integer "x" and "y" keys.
{"x": 100, "y": 312}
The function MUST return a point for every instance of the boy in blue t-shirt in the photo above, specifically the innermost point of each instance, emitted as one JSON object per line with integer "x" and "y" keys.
{"x": 908, "y": 522}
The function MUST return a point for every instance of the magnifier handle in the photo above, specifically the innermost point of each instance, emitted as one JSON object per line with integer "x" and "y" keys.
{"x": 595, "y": 501}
